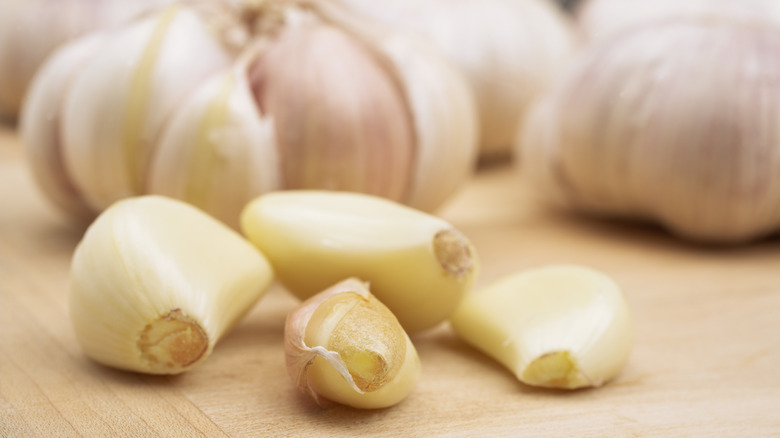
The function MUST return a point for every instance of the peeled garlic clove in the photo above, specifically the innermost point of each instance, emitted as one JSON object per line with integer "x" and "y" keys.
{"x": 41, "y": 124}
{"x": 558, "y": 326}
{"x": 418, "y": 265}
{"x": 155, "y": 283}
{"x": 344, "y": 345}
{"x": 653, "y": 125}
{"x": 218, "y": 152}
{"x": 117, "y": 105}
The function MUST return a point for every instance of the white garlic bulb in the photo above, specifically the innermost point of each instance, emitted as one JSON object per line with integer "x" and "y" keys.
{"x": 655, "y": 125}
{"x": 601, "y": 18}
{"x": 215, "y": 118}
{"x": 31, "y": 29}
{"x": 509, "y": 50}
{"x": 385, "y": 115}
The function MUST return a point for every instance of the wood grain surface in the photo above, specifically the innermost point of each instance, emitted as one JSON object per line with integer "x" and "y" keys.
{"x": 706, "y": 360}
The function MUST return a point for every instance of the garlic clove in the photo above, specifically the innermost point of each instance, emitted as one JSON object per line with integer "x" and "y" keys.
{"x": 418, "y": 265}
{"x": 440, "y": 100}
{"x": 116, "y": 106}
{"x": 218, "y": 152}
{"x": 332, "y": 132}
{"x": 41, "y": 122}
{"x": 343, "y": 345}
{"x": 155, "y": 283}
{"x": 558, "y": 326}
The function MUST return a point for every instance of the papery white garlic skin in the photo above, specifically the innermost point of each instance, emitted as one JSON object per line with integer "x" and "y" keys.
{"x": 41, "y": 122}
{"x": 417, "y": 264}
{"x": 333, "y": 132}
{"x": 30, "y": 30}
{"x": 401, "y": 126}
{"x": 654, "y": 125}
{"x": 445, "y": 117}
{"x": 155, "y": 283}
{"x": 558, "y": 326}
{"x": 218, "y": 152}
{"x": 509, "y": 50}
{"x": 343, "y": 345}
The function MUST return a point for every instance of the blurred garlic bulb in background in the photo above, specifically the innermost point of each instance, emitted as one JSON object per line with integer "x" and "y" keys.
{"x": 222, "y": 105}
{"x": 31, "y": 29}
{"x": 509, "y": 50}
{"x": 601, "y": 18}
{"x": 674, "y": 122}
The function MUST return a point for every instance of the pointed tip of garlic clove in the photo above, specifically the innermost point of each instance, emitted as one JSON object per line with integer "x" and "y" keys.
{"x": 560, "y": 326}
{"x": 343, "y": 345}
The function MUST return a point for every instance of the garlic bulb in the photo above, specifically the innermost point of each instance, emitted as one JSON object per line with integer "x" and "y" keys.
{"x": 343, "y": 345}
{"x": 32, "y": 29}
{"x": 155, "y": 283}
{"x": 655, "y": 125}
{"x": 210, "y": 117}
{"x": 560, "y": 326}
{"x": 418, "y": 265}
{"x": 509, "y": 50}
{"x": 601, "y": 18}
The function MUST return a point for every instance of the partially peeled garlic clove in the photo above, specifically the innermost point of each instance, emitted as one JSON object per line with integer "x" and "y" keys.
{"x": 343, "y": 345}
{"x": 155, "y": 283}
{"x": 559, "y": 326}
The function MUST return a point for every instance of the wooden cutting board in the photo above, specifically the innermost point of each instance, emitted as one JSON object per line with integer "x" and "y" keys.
{"x": 705, "y": 363}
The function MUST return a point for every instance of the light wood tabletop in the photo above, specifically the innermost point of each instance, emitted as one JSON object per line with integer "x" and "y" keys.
{"x": 704, "y": 363}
